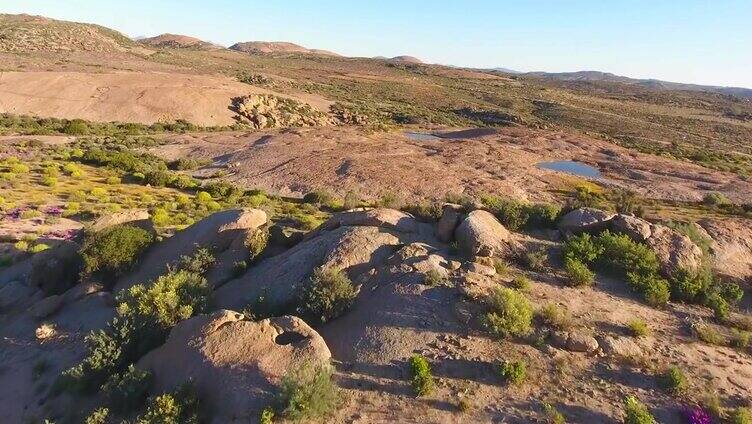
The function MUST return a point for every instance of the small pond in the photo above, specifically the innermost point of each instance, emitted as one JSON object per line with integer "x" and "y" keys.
{"x": 420, "y": 136}
{"x": 571, "y": 167}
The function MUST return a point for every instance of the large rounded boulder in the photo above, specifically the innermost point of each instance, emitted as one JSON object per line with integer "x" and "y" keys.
{"x": 731, "y": 247}
{"x": 674, "y": 250}
{"x": 235, "y": 364}
{"x": 585, "y": 220}
{"x": 481, "y": 234}
{"x": 217, "y": 232}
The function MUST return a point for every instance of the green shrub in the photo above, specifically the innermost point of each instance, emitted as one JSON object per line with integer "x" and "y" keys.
{"x": 351, "y": 201}
{"x": 145, "y": 315}
{"x": 510, "y": 313}
{"x": 740, "y": 339}
{"x": 553, "y": 416}
{"x": 582, "y": 248}
{"x": 199, "y": 263}
{"x": 578, "y": 273}
{"x": 157, "y": 178}
{"x": 501, "y": 266}
{"x": 76, "y": 127}
{"x": 257, "y": 242}
{"x": 39, "y": 247}
{"x": 187, "y": 164}
{"x": 555, "y": 316}
{"x": 513, "y": 372}
{"x": 688, "y": 286}
{"x": 98, "y": 416}
{"x": 73, "y": 170}
{"x": 627, "y": 202}
{"x": 267, "y": 416}
{"x": 709, "y": 334}
{"x": 328, "y": 295}
{"x": 18, "y": 168}
{"x": 514, "y": 215}
{"x": 128, "y": 390}
{"x": 422, "y": 379}
{"x": 624, "y": 255}
{"x": 654, "y": 289}
{"x": 636, "y": 412}
{"x": 49, "y": 181}
{"x": 543, "y": 215}
{"x": 433, "y": 278}
{"x": 674, "y": 380}
{"x": 521, "y": 283}
{"x": 536, "y": 260}
{"x": 171, "y": 298}
{"x": 160, "y": 217}
{"x": 179, "y": 407}
{"x": 719, "y": 305}
{"x": 715, "y": 199}
{"x": 425, "y": 211}
{"x": 112, "y": 180}
{"x": 741, "y": 416}
{"x": 321, "y": 198}
{"x": 309, "y": 392}
{"x": 638, "y": 328}
{"x": 115, "y": 249}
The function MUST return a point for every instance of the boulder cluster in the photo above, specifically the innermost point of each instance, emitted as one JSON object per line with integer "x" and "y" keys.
{"x": 269, "y": 111}
{"x": 416, "y": 282}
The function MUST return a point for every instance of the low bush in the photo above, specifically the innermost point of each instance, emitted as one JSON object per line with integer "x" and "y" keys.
{"x": 740, "y": 339}
{"x": 308, "y": 392}
{"x": 127, "y": 391}
{"x": 513, "y": 372}
{"x": 98, "y": 416}
{"x": 715, "y": 199}
{"x": 553, "y": 416}
{"x": 638, "y": 328}
{"x": 521, "y": 283}
{"x": 510, "y": 313}
{"x": 501, "y": 266}
{"x": 516, "y": 215}
{"x": 328, "y": 295}
{"x": 555, "y": 316}
{"x": 674, "y": 380}
{"x": 181, "y": 406}
{"x": 536, "y": 260}
{"x": 636, "y": 412}
{"x": 433, "y": 278}
{"x": 257, "y": 242}
{"x": 719, "y": 305}
{"x": 579, "y": 274}
{"x": 145, "y": 314}
{"x": 582, "y": 248}
{"x": 425, "y": 211}
{"x": 199, "y": 263}
{"x": 741, "y": 416}
{"x": 422, "y": 379}
{"x": 709, "y": 334}
{"x": 267, "y": 416}
{"x": 114, "y": 250}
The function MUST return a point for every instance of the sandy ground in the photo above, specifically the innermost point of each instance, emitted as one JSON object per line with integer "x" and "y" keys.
{"x": 477, "y": 162}
{"x": 144, "y": 97}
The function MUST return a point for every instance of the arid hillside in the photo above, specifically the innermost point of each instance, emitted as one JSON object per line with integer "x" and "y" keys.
{"x": 272, "y": 234}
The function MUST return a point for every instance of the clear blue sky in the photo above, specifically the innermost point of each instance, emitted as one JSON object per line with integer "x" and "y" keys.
{"x": 705, "y": 42}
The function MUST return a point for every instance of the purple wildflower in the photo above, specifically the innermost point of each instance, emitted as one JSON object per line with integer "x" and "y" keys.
{"x": 53, "y": 210}
{"x": 697, "y": 415}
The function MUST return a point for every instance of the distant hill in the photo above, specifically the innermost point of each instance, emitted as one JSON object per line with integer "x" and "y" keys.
{"x": 28, "y": 33}
{"x": 654, "y": 84}
{"x": 257, "y": 47}
{"x": 406, "y": 59}
{"x": 176, "y": 41}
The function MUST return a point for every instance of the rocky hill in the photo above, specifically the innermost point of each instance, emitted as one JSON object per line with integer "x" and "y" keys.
{"x": 26, "y": 33}
{"x": 175, "y": 41}
{"x": 257, "y": 47}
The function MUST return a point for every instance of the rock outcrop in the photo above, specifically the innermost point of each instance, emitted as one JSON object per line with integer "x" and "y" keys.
{"x": 675, "y": 251}
{"x": 269, "y": 111}
{"x": 585, "y": 220}
{"x": 234, "y": 364}
{"x": 450, "y": 218}
{"x": 730, "y": 246}
{"x": 636, "y": 228}
{"x": 217, "y": 232}
{"x": 56, "y": 269}
{"x": 481, "y": 234}
{"x": 136, "y": 217}
{"x": 278, "y": 280}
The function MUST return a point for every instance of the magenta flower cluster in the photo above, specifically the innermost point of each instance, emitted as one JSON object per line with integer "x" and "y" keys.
{"x": 697, "y": 415}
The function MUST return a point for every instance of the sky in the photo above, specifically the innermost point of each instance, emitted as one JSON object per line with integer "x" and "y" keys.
{"x": 691, "y": 41}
